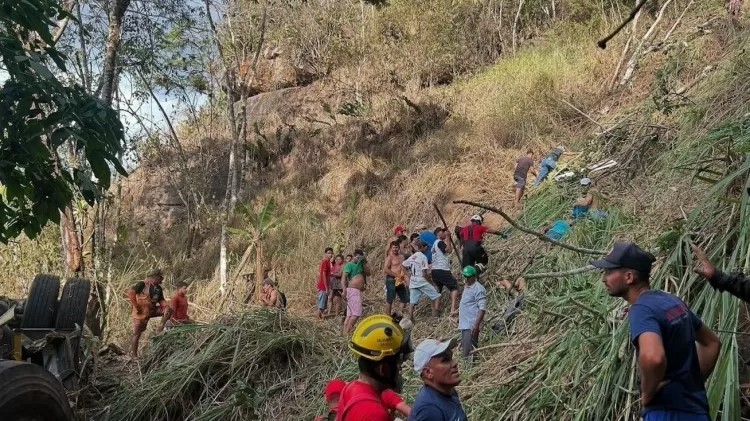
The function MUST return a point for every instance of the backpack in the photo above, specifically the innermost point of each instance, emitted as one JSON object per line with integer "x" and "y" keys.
{"x": 282, "y": 299}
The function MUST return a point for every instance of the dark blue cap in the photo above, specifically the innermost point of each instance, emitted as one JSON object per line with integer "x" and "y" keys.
{"x": 627, "y": 256}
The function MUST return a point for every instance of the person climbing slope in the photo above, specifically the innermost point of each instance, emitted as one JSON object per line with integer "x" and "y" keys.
{"x": 524, "y": 164}
{"x": 676, "y": 352}
{"x": 471, "y": 238}
{"x": 158, "y": 306}
{"x": 381, "y": 346}
{"x": 548, "y": 164}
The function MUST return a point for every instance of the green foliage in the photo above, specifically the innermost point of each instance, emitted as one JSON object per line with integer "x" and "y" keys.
{"x": 38, "y": 114}
{"x": 257, "y": 225}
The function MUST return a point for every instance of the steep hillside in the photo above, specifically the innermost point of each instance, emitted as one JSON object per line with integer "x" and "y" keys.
{"x": 421, "y": 109}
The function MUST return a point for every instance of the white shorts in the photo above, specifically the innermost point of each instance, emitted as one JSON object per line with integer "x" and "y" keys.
{"x": 427, "y": 289}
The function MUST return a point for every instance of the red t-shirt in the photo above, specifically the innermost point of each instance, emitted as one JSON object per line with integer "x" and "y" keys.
{"x": 324, "y": 274}
{"x": 179, "y": 304}
{"x": 360, "y": 402}
{"x": 473, "y": 232}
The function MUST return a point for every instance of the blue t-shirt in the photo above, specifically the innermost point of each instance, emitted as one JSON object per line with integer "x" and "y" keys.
{"x": 558, "y": 230}
{"x": 431, "y": 405}
{"x": 428, "y": 238}
{"x": 671, "y": 319}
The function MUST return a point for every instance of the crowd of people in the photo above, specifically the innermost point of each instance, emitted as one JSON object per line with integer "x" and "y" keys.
{"x": 676, "y": 352}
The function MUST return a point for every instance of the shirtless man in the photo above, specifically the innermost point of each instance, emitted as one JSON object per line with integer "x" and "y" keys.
{"x": 269, "y": 298}
{"x": 354, "y": 281}
{"x": 394, "y": 279}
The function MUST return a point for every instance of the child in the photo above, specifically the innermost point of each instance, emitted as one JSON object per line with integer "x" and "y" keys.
{"x": 332, "y": 394}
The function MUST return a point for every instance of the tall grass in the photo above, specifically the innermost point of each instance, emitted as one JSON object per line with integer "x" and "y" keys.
{"x": 255, "y": 365}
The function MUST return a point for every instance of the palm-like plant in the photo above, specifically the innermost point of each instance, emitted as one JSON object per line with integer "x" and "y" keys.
{"x": 255, "y": 228}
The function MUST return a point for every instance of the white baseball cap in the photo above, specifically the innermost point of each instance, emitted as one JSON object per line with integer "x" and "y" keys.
{"x": 429, "y": 348}
{"x": 585, "y": 181}
{"x": 477, "y": 218}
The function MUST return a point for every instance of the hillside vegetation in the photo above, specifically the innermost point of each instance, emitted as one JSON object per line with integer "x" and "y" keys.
{"x": 411, "y": 104}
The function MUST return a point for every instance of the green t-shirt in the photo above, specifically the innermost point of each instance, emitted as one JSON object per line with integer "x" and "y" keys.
{"x": 353, "y": 269}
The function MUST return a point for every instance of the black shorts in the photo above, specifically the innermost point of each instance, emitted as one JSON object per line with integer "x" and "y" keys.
{"x": 444, "y": 278}
{"x": 474, "y": 253}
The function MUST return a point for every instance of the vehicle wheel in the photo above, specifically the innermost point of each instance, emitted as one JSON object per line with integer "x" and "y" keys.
{"x": 72, "y": 311}
{"x": 73, "y": 302}
{"x": 29, "y": 393}
{"x": 41, "y": 306}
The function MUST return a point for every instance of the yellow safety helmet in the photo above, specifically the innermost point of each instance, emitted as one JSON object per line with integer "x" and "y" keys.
{"x": 377, "y": 337}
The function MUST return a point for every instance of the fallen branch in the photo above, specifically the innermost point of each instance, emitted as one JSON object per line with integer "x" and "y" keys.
{"x": 638, "y": 53}
{"x": 603, "y": 43}
{"x": 563, "y": 274}
{"x": 582, "y": 113}
{"x": 529, "y": 231}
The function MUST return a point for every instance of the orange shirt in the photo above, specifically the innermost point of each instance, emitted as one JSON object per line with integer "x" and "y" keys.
{"x": 141, "y": 304}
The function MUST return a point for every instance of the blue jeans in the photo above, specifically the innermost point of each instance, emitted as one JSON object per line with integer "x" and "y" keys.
{"x": 668, "y": 415}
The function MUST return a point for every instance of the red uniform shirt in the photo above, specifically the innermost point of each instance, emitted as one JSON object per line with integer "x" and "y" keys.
{"x": 473, "y": 232}
{"x": 179, "y": 304}
{"x": 360, "y": 402}
{"x": 324, "y": 274}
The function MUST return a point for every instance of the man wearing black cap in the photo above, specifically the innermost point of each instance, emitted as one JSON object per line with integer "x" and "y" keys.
{"x": 676, "y": 351}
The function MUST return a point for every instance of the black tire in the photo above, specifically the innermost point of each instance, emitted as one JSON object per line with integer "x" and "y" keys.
{"x": 41, "y": 306}
{"x": 29, "y": 393}
{"x": 73, "y": 302}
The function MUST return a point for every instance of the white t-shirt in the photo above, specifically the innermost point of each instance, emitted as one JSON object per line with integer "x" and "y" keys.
{"x": 439, "y": 260}
{"x": 416, "y": 264}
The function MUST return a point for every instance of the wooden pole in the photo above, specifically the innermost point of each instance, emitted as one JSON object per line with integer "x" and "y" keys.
{"x": 450, "y": 237}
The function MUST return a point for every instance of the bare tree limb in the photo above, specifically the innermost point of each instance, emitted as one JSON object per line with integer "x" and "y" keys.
{"x": 62, "y": 25}
{"x": 639, "y": 52}
{"x": 677, "y": 22}
{"x": 576, "y": 271}
{"x": 529, "y": 231}
{"x": 603, "y": 42}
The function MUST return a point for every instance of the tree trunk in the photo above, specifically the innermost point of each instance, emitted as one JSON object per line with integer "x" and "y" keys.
{"x": 71, "y": 242}
{"x": 223, "y": 256}
{"x": 109, "y": 72}
{"x": 94, "y": 312}
{"x": 515, "y": 25}
{"x": 259, "y": 272}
